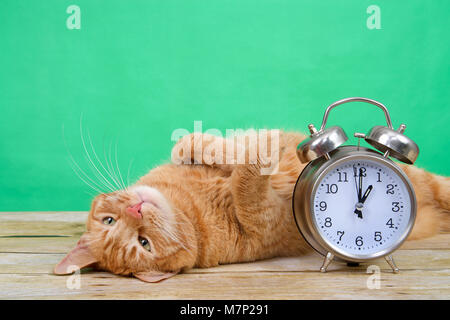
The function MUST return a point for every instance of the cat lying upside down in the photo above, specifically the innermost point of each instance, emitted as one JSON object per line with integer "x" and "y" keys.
{"x": 180, "y": 216}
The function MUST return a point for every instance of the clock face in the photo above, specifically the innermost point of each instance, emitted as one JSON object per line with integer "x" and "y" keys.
{"x": 362, "y": 207}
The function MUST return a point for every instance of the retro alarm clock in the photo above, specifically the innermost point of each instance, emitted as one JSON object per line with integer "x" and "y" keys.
{"x": 352, "y": 203}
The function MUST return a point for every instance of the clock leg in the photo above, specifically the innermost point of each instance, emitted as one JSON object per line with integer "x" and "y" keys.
{"x": 352, "y": 264}
{"x": 326, "y": 262}
{"x": 390, "y": 260}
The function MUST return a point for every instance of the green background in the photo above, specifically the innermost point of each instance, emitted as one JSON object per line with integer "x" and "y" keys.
{"x": 138, "y": 70}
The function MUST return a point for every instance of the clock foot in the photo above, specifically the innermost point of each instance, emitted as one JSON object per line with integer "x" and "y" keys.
{"x": 326, "y": 262}
{"x": 390, "y": 260}
{"x": 352, "y": 264}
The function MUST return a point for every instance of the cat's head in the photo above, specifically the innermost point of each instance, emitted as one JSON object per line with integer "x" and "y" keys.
{"x": 135, "y": 232}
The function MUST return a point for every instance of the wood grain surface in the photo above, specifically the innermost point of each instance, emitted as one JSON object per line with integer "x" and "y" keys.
{"x": 31, "y": 243}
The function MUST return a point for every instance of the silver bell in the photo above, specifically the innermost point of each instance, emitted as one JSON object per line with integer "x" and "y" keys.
{"x": 385, "y": 139}
{"x": 320, "y": 143}
{"x": 394, "y": 142}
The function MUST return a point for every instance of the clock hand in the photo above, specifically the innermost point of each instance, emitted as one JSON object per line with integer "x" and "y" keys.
{"x": 356, "y": 183}
{"x": 358, "y": 210}
{"x": 360, "y": 185}
{"x": 358, "y": 192}
{"x": 359, "y": 206}
{"x": 366, "y": 194}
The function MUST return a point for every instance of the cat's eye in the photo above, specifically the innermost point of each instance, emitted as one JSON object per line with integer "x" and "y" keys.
{"x": 109, "y": 221}
{"x": 145, "y": 243}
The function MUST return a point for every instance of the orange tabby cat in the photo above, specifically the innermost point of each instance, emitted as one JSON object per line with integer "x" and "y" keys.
{"x": 182, "y": 216}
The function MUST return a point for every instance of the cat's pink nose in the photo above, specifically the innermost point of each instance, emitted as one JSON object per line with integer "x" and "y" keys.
{"x": 135, "y": 211}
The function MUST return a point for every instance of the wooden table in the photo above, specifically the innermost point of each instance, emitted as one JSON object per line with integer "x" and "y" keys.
{"x": 31, "y": 243}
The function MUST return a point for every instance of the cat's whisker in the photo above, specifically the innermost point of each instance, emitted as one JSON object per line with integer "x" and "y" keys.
{"x": 99, "y": 161}
{"x": 128, "y": 171}
{"x": 118, "y": 170}
{"x": 87, "y": 183}
{"x": 168, "y": 221}
{"x": 167, "y": 231}
{"x": 110, "y": 167}
{"x": 97, "y": 172}
{"x": 101, "y": 180}
{"x": 74, "y": 163}
{"x": 116, "y": 176}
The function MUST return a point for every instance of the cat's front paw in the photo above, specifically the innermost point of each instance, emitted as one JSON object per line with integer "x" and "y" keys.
{"x": 270, "y": 151}
{"x": 197, "y": 148}
{"x": 182, "y": 152}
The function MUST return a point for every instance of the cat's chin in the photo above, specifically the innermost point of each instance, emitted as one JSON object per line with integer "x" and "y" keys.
{"x": 151, "y": 196}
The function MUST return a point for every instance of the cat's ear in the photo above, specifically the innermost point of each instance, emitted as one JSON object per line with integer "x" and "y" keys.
{"x": 154, "y": 276}
{"x": 76, "y": 259}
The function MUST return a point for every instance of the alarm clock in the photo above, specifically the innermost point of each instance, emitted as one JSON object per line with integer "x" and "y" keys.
{"x": 353, "y": 203}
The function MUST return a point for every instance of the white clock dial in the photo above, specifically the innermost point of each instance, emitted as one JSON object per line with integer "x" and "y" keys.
{"x": 366, "y": 223}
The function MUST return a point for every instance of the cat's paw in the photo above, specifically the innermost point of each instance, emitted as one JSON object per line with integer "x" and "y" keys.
{"x": 183, "y": 152}
{"x": 198, "y": 148}
{"x": 270, "y": 152}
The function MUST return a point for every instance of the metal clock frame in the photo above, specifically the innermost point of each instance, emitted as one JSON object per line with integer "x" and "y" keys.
{"x": 306, "y": 188}
{"x": 324, "y": 152}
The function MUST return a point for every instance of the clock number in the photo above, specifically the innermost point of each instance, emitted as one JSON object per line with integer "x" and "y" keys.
{"x": 342, "y": 175}
{"x": 379, "y": 177}
{"x": 359, "y": 241}
{"x": 328, "y": 222}
{"x": 395, "y": 207}
{"x": 332, "y": 188}
{"x": 340, "y": 234}
{"x": 378, "y": 236}
{"x": 322, "y": 206}
{"x": 390, "y": 189}
{"x": 361, "y": 172}
{"x": 390, "y": 223}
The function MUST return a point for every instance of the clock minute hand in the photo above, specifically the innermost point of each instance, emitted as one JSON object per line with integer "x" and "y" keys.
{"x": 359, "y": 206}
{"x": 355, "y": 171}
{"x": 360, "y": 185}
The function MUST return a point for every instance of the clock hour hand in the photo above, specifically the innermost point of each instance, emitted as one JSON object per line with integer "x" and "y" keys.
{"x": 366, "y": 194}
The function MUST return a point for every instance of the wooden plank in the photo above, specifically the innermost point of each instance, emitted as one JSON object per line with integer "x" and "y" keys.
{"x": 438, "y": 242}
{"x": 31, "y": 243}
{"x": 61, "y": 216}
{"x": 26, "y": 263}
{"x": 38, "y": 245}
{"x": 42, "y": 223}
{"x": 257, "y": 285}
{"x": 72, "y": 224}
{"x": 64, "y": 244}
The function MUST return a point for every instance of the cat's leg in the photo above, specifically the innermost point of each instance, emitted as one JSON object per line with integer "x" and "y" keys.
{"x": 433, "y": 202}
{"x": 225, "y": 154}
{"x": 201, "y": 148}
{"x": 257, "y": 206}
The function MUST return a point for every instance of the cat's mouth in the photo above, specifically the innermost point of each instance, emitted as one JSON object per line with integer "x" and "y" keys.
{"x": 147, "y": 195}
{"x": 135, "y": 211}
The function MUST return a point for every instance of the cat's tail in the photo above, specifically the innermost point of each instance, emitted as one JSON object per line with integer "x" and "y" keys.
{"x": 433, "y": 200}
